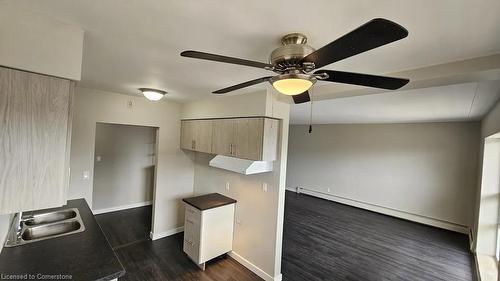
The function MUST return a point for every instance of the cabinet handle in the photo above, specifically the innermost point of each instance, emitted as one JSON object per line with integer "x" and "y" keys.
{"x": 230, "y": 149}
{"x": 190, "y": 221}
{"x": 193, "y": 144}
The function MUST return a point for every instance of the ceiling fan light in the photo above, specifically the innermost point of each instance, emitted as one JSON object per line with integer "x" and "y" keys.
{"x": 292, "y": 86}
{"x": 152, "y": 94}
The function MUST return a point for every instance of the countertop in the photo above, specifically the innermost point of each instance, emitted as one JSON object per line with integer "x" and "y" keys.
{"x": 209, "y": 201}
{"x": 85, "y": 256}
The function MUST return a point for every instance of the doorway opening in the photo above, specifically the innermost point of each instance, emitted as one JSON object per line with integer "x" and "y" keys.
{"x": 489, "y": 210}
{"x": 124, "y": 179}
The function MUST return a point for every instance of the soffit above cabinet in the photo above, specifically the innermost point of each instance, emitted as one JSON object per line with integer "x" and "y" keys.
{"x": 39, "y": 44}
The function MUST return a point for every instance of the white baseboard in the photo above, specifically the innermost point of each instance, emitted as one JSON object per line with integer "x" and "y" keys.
{"x": 158, "y": 235}
{"x": 386, "y": 211}
{"x": 261, "y": 273}
{"x": 122, "y": 207}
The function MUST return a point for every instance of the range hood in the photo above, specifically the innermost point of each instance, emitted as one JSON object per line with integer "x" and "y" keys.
{"x": 242, "y": 166}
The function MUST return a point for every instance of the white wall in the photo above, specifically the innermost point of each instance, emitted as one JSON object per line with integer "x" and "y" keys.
{"x": 428, "y": 170}
{"x": 491, "y": 122}
{"x": 174, "y": 170}
{"x": 259, "y": 214}
{"x": 124, "y": 165}
{"x": 215, "y": 106}
{"x": 490, "y": 125}
{"x": 37, "y": 43}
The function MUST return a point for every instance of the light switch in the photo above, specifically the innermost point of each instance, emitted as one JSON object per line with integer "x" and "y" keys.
{"x": 86, "y": 175}
{"x": 98, "y": 158}
{"x": 264, "y": 186}
{"x": 227, "y": 185}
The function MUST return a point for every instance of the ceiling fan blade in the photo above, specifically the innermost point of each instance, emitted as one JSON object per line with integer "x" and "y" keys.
{"x": 301, "y": 98}
{"x": 371, "y": 35}
{"x": 383, "y": 82}
{"x": 242, "y": 85}
{"x": 219, "y": 58}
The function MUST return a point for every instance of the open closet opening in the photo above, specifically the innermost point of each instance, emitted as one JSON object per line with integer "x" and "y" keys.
{"x": 124, "y": 179}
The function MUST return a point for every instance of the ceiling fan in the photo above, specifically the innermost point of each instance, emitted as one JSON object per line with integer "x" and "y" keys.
{"x": 295, "y": 61}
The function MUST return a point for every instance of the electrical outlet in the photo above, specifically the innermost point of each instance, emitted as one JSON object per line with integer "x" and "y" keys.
{"x": 238, "y": 222}
{"x": 264, "y": 186}
{"x": 98, "y": 158}
{"x": 227, "y": 185}
{"x": 130, "y": 104}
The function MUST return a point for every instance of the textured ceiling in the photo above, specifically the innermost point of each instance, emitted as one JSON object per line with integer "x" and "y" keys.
{"x": 136, "y": 43}
{"x": 459, "y": 102}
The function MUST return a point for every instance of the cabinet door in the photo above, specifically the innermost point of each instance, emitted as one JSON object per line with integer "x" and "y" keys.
{"x": 203, "y": 135}
{"x": 248, "y": 138}
{"x": 35, "y": 118}
{"x": 270, "y": 139}
{"x": 223, "y": 137}
{"x": 187, "y": 134}
{"x": 217, "y": 232}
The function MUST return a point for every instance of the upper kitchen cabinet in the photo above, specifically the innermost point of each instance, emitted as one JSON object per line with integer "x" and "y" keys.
{"x": 249, "y": 138}
{"x": 197, "y": 135}
{"x": 35, "y": 118}
{"x": 224, "y": 137}
{"x": 253, "y": 138}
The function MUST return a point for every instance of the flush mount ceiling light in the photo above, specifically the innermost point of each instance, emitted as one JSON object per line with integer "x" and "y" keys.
{"x": 152, "y": 94}
{"x": 293, "y": 83}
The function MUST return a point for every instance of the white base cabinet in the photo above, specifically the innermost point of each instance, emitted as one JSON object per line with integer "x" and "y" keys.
{"x": 208, "y": 233}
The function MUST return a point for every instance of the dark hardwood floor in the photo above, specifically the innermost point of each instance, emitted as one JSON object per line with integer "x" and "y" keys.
{"x": 162, "y": 259}
{"x": 324, "y": 240}
{"x": 126, "y": 227}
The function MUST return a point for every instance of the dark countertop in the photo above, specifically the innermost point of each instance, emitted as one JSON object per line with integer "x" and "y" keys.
{"x": 209, "y": 201}
{"x": 86, "y": 255}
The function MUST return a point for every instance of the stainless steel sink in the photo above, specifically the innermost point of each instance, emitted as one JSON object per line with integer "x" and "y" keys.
{"x": 43, "y": 225}
{"x": 50, "y": 230}
{"x": 43, "y": 218}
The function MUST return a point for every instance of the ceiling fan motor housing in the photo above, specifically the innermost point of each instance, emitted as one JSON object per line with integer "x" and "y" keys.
{"x": 291, "y": 53}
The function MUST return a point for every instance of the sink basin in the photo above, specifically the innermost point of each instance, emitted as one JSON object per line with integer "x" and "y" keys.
{"x": 44, "y": 225}
{"x": 44, "y": 218}
{"x": 50, "y": 230}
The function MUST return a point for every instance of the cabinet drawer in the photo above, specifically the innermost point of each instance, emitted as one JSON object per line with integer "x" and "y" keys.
{"x": 192, "y": 228}
{"x": 192, "y": 214}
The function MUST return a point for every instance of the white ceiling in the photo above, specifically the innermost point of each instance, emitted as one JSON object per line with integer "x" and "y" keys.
{"x": 136, "y": 43}
{"x": 458, "y": 102}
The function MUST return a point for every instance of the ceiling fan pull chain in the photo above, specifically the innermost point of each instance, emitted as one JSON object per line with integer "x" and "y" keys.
{"x": 311, "y": 112}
